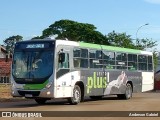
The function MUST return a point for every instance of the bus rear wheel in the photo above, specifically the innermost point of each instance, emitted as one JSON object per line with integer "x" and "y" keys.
{"x": 41, "y": 101}
{"x": 76, "y": 96}
{"x": 128, "y": 93}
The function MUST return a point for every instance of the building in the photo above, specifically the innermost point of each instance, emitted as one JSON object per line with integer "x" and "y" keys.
{"x": 5, "y": 65}
{"x": 158, "y": 67}
{"x": 157, "y": 74}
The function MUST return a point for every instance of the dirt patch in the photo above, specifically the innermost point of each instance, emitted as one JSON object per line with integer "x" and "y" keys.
{"x": 5, "y": 94}
{"x": 2, "y": 100}
{"x": 5, "y": 91}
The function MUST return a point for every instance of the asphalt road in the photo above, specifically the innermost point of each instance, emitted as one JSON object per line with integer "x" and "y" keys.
{"x": 140, "y": 102}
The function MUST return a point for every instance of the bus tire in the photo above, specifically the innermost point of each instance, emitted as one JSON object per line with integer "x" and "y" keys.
{"x": 40, "y": 101}
{"x": 76, "y": 96}
{"x": 128, "y": 93}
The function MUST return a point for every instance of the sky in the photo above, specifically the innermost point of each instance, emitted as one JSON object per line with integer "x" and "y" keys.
{"x": 30, "y": 17}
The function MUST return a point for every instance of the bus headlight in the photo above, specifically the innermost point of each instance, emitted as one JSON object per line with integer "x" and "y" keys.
{"x": 49, "y": 85}
{"x": 14, "y": 85}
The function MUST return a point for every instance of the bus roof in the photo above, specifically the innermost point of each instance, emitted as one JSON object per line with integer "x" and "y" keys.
{"x": 93, "y": 46}
{"x": 103, "y": 47}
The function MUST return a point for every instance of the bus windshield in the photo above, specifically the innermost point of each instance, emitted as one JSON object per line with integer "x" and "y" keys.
{"x": 32, "y": 64}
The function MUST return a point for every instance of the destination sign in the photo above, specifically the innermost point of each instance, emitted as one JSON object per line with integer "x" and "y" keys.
{"x": 24, "y": 45}
{"x": 35, "y": 46}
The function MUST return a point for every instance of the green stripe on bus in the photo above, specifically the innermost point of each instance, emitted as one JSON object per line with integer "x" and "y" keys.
{"x": 119, "y": 49}
{"x": 109, "y": 48}
{"x": 89, "y": 45}
{"x": 35, "y": 86}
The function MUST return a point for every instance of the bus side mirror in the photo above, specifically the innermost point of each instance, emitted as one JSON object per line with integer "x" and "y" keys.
{"x": 61, "y": 57}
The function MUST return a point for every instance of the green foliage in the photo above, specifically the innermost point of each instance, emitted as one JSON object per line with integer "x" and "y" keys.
{"x": 124, "y": 40}
{"x": 120, "y": 40}
{"x": 38, "y": 37}
{"x": 10, "y": 42}
{"x": 145, "y": 43}
{"x": 75, "y": 31}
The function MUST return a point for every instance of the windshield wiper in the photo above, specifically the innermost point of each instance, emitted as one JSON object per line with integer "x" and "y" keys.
{"x": 27, "y": 62}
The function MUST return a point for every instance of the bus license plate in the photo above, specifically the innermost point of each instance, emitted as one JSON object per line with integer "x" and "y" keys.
{"x": 28, "y": 95}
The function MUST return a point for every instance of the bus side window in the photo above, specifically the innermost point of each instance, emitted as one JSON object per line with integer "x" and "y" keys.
{"x": 142, "y": 62}
{"x": 150, "y": 66}
{"x": 132, "y": 62}
{"x": 63, "y": 61}
{"x": 76, "y": 62}
{"x": 80, "y": 58}
{"x": 109, "y": 59}
{"x": 131, "y": 66}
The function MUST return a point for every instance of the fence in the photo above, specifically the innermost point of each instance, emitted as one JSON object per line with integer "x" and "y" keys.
{"x": 4, "y": 79}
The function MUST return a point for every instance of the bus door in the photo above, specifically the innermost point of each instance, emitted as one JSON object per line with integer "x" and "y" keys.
{"x": 63, "y": 76}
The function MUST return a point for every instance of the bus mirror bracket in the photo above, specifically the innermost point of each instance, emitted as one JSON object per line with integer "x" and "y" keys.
{"x": 61, "y": 57}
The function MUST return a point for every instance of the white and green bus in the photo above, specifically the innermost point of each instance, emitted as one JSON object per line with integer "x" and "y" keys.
{"x": 49, "y": 69}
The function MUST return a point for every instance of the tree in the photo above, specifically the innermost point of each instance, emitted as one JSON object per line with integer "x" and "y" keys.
{"x": 120, "y": 40}
{"x": 124, "y": 40}
{"x": 75, "y": 31}
{"x": 38, "y": 37}
{"x": 146, "y": 43}
{"x": 10, "y": 42}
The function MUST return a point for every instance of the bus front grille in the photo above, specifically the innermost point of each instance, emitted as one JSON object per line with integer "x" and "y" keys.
{"x": 33, "y": 93}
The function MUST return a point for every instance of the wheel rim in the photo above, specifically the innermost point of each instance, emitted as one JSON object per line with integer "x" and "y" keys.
{"x": 129, "y": 92}
{"x": 76, "y": 95}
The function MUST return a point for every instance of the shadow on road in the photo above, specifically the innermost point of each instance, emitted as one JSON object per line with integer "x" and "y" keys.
{"x": 55, "y": 102}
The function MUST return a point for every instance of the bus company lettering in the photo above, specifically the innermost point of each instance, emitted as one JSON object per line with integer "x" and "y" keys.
{"x": 96, "y": 82}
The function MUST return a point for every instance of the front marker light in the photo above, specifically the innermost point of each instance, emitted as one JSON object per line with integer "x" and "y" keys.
{"x": 48, "y": 85}
{"x": 48, "y": 93}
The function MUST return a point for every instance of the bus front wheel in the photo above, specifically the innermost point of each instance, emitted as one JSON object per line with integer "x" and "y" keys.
{"x": 76, "y": 96}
